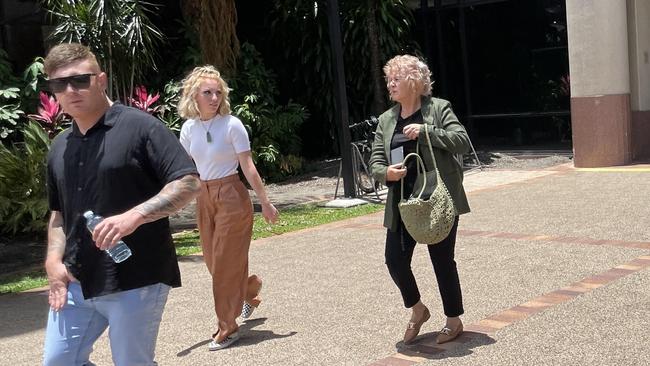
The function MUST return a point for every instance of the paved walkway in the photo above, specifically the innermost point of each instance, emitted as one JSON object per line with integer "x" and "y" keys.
{"x": 554, "y": 264}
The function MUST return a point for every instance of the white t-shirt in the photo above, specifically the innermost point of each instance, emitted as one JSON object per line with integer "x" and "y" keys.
{"x": 216, "y": 159}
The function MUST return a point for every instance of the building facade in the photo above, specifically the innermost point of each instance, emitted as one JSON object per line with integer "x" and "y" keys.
{"x": 609, "y": 42}
{"x": 504, "y": 66}
{"x": 545, "y": 73}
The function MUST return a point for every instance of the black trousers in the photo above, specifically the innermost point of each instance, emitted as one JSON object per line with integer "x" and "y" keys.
{"x": 399, "y": 252}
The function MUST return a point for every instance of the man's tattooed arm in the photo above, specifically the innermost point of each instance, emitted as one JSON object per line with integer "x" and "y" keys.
{"x": 57, "y": 273}
{"x": 174, "y": 196}
{"x": 55, "y": 237}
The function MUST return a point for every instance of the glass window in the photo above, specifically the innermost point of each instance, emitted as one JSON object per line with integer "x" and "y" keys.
{"x": 515, "y": 87}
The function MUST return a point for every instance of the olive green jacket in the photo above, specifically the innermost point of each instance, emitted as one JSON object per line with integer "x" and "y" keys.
{"x": 448, "y": 137}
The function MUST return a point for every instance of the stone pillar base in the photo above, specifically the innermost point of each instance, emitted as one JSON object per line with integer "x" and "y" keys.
{"x": 601, "y": 130}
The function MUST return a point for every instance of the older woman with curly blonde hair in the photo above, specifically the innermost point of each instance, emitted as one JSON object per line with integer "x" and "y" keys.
{"x": 401, "y": 131}
{"x": 218, "y": 143}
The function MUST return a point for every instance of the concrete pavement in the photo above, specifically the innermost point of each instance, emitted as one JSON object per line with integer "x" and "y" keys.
{"x": 554, "y": 265}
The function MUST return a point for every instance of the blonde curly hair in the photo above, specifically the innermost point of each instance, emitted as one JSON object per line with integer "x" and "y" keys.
{"x": 412, "y": 70}
{"x": 187, "y": 106}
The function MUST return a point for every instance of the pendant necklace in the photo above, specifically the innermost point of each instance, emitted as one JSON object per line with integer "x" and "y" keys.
{"x": 208, "y": 137}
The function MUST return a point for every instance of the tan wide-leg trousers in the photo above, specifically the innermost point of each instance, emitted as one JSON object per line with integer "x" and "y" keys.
{"x": 225, "y": 220}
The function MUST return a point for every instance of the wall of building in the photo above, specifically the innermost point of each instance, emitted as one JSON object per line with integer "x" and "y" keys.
{"x": 639, "y": 49}
{"x": 600, "y": 82}
{"x": 638, "y": 13}
{"x": 596, "y": 29}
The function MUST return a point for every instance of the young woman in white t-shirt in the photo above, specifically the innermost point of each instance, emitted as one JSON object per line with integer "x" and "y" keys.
{"x": 218, "y": 143}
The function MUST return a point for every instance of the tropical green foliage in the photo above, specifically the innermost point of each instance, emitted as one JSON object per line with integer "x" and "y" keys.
{"x": 272, "y": 127}
{"x": 167, "y": 112}
{"x": 33, "y": 77}
{"x": 300, "y": 30}
{"x": 10, "y": 111}
{"x": 119, "y": 32}
{"x": 23, "y": 203}
{"x": 17, "y": 95}
{"x": 22, "y": 281}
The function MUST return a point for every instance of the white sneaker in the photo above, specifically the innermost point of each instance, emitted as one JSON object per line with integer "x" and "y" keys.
{"x": 227, "y": 342}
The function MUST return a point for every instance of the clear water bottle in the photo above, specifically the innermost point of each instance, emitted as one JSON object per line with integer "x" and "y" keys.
{"x": 120, "y": 252}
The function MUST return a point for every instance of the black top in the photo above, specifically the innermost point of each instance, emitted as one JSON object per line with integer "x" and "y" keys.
{"x": 409, "y": 146}
{"x": 122, "y": 161}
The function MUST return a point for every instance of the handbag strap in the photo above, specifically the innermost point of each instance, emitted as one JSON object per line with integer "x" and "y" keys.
{"x": 433, "y": 157}
{"x": 420, "y": 164}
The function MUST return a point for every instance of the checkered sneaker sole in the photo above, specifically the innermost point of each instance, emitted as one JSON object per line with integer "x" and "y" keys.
{"x": 247, "y": 310}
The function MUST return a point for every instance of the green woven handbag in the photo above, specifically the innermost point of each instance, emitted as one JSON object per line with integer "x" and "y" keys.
{"x": 429, "y": 221}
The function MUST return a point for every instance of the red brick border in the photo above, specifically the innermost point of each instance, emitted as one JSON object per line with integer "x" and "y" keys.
{"x": 555, "y": 238}
{"x": 422, "y": 351}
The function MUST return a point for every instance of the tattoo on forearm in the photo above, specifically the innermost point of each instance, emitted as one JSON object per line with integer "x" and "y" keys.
{"x": 55, "y": 237}
{"x": 174, "y": 196}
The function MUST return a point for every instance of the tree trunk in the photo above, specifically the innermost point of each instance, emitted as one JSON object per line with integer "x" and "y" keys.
{"x": 215, "y": 21}
{"x": 378, "y": 85}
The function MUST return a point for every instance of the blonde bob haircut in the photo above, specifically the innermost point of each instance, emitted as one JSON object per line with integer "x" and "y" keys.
{"x": 187, "y": 106}
{"x": 412, "y": 70}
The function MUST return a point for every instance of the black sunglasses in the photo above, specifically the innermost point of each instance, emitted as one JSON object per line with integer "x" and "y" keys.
{"x": 77, "y": 82}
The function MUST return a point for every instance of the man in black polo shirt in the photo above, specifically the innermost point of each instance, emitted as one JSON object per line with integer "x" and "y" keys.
{"x": 125, "y": 165}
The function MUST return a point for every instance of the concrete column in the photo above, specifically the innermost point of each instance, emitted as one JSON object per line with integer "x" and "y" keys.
{"x": 600, "y": 82}
{"x": 638, "y": 15}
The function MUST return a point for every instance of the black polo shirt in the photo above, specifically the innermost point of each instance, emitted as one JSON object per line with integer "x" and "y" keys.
{"x": 122, "y": 161}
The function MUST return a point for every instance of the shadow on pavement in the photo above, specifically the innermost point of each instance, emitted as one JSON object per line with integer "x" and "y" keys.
{"x": 22, "y": 313}
{"x": 194, "y": 258}
{"x": 426, "y": 346}
{"x": 249, "y": 336}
